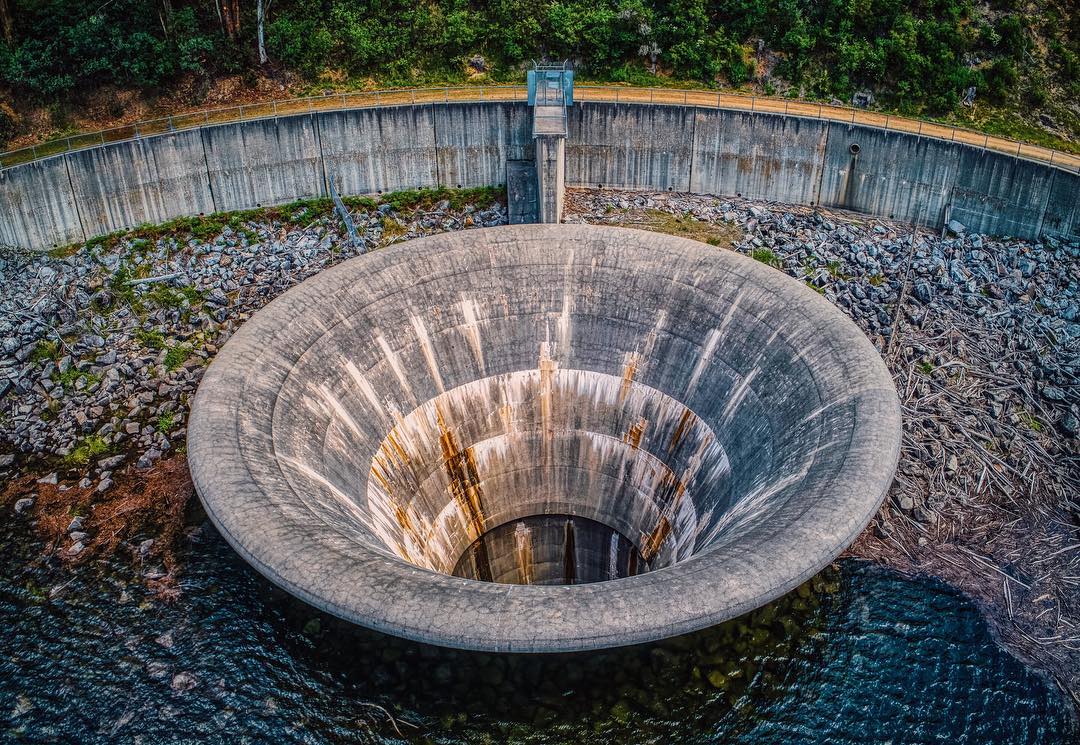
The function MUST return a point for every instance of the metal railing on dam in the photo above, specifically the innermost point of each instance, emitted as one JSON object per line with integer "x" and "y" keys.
{"x": 583, "y": 93}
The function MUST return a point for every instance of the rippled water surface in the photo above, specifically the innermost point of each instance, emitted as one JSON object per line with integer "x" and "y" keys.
{"x": 861, "y": 655}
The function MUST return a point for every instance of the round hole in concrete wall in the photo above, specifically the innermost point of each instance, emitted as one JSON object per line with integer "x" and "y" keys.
{"x": 599, "y": 186}
{"x": 854, "y": 148}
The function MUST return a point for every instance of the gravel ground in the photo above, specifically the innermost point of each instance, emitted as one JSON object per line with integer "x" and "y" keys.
{"x": 100, "y": 352}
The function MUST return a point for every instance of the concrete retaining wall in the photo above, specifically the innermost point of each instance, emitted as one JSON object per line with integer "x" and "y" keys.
{"x": 763, "y": 156}
{"x": 630, "y": 147}
{"x": 373, "y": 150}
{"x": 475, "y": 140}
{"x": 757, "y": 156}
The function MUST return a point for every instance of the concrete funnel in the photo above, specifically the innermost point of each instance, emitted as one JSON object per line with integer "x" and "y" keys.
{"x": 544, "y": 438}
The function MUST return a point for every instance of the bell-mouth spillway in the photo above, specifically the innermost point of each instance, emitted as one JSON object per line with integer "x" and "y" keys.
{"x": 544, "y": 438}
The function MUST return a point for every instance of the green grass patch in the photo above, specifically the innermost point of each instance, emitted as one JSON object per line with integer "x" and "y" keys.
{"x": 412, "y": 199}
{"x": 836, "y": 270}
{"x": 48, "y": 349}
{"x": 69, "y": 380}
{"x": 925, "y": 367}
{"x": 877, "y": 280}
{"x": 299, "y": 213}
{"x": 165, "y": 423}
{"x": 1028, "y": 420}
{"x": 150, "y": 339}
{"x": 176, "y": 356}
{"x": 92, "y": 447}
{"x": 392, "y": 229}
{"x": 766, "y": 256}
{"x": 721, "y": 235}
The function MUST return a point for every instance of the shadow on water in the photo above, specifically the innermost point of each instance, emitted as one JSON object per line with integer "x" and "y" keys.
{"x": 860, "y": 654}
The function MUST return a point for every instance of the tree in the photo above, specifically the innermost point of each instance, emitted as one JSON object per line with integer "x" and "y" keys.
{"x": 262, "y": 8}
{"x": 7, "y": 23}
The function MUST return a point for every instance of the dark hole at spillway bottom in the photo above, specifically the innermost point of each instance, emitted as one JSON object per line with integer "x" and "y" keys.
{"x": 550, "y": 550}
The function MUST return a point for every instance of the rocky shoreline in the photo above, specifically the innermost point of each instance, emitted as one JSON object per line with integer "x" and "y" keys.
{"x": 101, "y": 350}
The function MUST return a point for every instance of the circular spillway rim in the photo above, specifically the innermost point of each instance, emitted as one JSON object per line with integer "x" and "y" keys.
{"x": 373, "y": 589}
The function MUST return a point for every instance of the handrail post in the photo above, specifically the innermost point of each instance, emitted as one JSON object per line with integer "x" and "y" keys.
{"x": 206, "y": 118}
{"x": 33, "y": 150}
{"x": 753, "y": 102}
{"x": 343, "y": 103}
{"x": 412, "y": 96}
{"x": 67, "y": 144}
{"x": 920, "y": 127}
{"x": 1018, "y": 146}
{"x": 273, "y": 106}
{"x": 684, "y": 98}
{"x": 785, "y": 107}
{"x": 446, "y": 94}
{"x": 986, "y": 141}
{"x": 886, "y": 121}
{"x": 852, "y": 114}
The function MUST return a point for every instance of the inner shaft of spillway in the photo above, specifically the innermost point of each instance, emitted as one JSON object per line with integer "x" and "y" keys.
{"x": 547, "y": 441}
{"x": 564, "y": 413}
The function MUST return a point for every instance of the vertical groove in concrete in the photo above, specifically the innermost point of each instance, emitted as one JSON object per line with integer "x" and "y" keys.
{"x": 75, "y": 200}
{"x": 821, "y": 169}
{"x": 206, "y": 165}
{"x": 693, "y": 151}
{"x": 435, "y": 139}
{"x": 322, "y": 156}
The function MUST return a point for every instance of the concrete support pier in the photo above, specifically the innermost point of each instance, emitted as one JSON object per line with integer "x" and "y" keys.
{"x": 550, "y": 177}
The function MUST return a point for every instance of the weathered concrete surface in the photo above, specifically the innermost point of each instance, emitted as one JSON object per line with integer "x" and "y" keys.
{"x": 374, "y": 150}
{"x": 357, "y": 436}
{"x": 550, "y": 177}
{"x": 37, "y": 206}
{"x": 995, "y": 193}
{"x": 521, "y": 198}
{"x": 1062, "y": 215}
{"x": 892, "y": 174}
{"x": 757, "y": 156}
{"x": 630, "y": 147}
{"x": 475, "y": 141}
{"x": 142, "y": 181}
{"x": 263, "y": 162}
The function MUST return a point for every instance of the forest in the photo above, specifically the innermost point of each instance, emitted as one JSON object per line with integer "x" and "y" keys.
{"x": 918, "y": 57}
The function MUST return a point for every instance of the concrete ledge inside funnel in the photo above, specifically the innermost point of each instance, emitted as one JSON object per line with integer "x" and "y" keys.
{"x": 358, "y": 436}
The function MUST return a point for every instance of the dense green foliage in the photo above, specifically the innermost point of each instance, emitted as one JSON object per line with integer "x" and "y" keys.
{"x": 917, "y": 55}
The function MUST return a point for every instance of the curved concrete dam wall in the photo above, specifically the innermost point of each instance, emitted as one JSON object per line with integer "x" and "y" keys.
{"x": 774, "y": 157}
